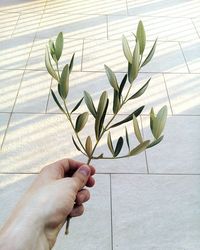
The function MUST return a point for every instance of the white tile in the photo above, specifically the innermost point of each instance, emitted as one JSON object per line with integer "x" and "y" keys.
{"x": 9, "y": 85}
{"x": 7, "y": 24}
{"x": 167, "y": 58}
{"x": 36, "y": 59}
{"x": 156, "y": 212}
{"x": 74, "y": 25}
{"x": 179, "y": 150}
{"x": 14, "y": 52}
{"x": 12, "y": 187}
{"x": 94, "y": 225}
{"x": 21, "y": 5}
{"x": 163, "y": 28}
{"x": 170, "y": 8}
{"x": 116, "y": 7}
{"x": 33, "y": 93}
{"x": 4, "y": 117}
{"x": 184, "y": 91}
{"x": 191, "y": 51}
{"x": 27, "y": 24}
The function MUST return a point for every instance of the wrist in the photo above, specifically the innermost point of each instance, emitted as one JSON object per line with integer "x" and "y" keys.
{"x": 23, "y": 231}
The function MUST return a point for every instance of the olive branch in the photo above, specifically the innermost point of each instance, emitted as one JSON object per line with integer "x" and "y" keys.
{"x": 120, "y": 98}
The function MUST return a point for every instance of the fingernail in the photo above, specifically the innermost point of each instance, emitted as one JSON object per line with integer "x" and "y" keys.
{"x": 84, "y": 170}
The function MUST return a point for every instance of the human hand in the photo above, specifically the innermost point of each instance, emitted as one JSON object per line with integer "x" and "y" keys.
{"x": 58, "y": 191}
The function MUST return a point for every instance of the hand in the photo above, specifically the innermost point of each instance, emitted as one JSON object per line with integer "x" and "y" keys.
{"x": 56, "y": 193}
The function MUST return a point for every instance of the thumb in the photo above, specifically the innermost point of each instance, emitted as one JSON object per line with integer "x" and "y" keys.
{"x": 81, "y": 176}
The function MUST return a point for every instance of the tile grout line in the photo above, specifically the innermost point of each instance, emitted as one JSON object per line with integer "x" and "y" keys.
{"x": 15, "y": 25}
{"x": 195, "y": 27}
{"x": 127, "y": 10}
{"x": 51, "y": 83}
{"x": 22, "y": 77}
{"x": 184, "y": 57}
{"x": 83, "y": 45}
{"x": 111, "y": 218}
{"x": 167, "y": 93}
{"x": 107, "y": 27}
{"x": 108, "y": 173}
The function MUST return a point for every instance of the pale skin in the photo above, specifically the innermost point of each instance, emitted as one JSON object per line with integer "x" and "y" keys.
{"x": 58, "y": 191}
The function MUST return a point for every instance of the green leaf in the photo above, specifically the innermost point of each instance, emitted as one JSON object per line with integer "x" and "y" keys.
{"x": 126, "y": 49}
{"x": 77, "y": 105}
{"x": 71, "y": 63}
{"x": 141, "y": 36}
{"x": 59, "y": 45}
{"x": 141, "y": 147}
{"x": 122, "y": 84}
{"x": 49, "y": 66}
{"x": 64, "y": 82}
{"x": 89, "y": 103}
{"x": 56, "y": 101}
{"x": 81, "y": 121}
{"x": 137, "y": 129}
{"x": 110, "y": 145}
{"x": 156, "y": 142}
{"x": 127, "y": 139}
{"x": 99, "y": 157}
{"x": 118, "y": 146}
{"x": 52, "y": 50}
{"x": 101, "y": 111}
{"x": 88, "y": 146}
{"x": 77, "y": 147}
{"x": 116, "y": 102}
{"x": 112, "y": 78}
{"x": 150, "y": 55}
{"x": 152, "y": 119}
{"x": 159, "y": 122}
{"x": 130, "y": 117}
{"x": 140, "y": 91}
{"x": 133, "y": 68}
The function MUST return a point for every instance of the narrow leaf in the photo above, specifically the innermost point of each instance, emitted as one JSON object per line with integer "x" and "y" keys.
{"x": 49, "y": 66}
{"x": 81, "y": 121}
{"x": 127, "y": 139}
{"x": 116, "y": 102}
{"x": 126, "y": 49}
{"x": 103, "y": 103}
{"x": 150, "y": 55}
{"x": 152, "y": 119}
{"x": 141, "y": 147}
{"x": 88, "y": 146}
{"x": 64, "y": 82}
{"x": 110, "y": 145}
{"x": 130, "y": 117}
{"x": 118, "y": 146}
{"x": 77, "y": 105}
{"x": 89, "y": 103}
{"x": 122, "y": 85}
{"x": 112, "y": 78}
{"x": 52, "y": 50}
{"x": 156, "y": 142}
{"x": 71, "y": 63}
{"x": 77, "y": 147}
{"x": 160, "y": 122}
{"x": 140, "y": 91}
{"x": 137, "y": 129}
{"x": 133, "y": 68}
{"x": 141, "y": 37}
{"x": 59, "y": 45}
{"x": 56, "y": 101}
{"x": 99, "y": 157}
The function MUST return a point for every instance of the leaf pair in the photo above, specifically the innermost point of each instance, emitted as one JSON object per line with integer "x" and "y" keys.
{"x": 101, "y": 113}
{"x": 157, "y": 123}
{"x": 118, "y": 147}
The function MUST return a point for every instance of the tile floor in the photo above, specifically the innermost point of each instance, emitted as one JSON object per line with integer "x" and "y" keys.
{"x": 150, "y": 202}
